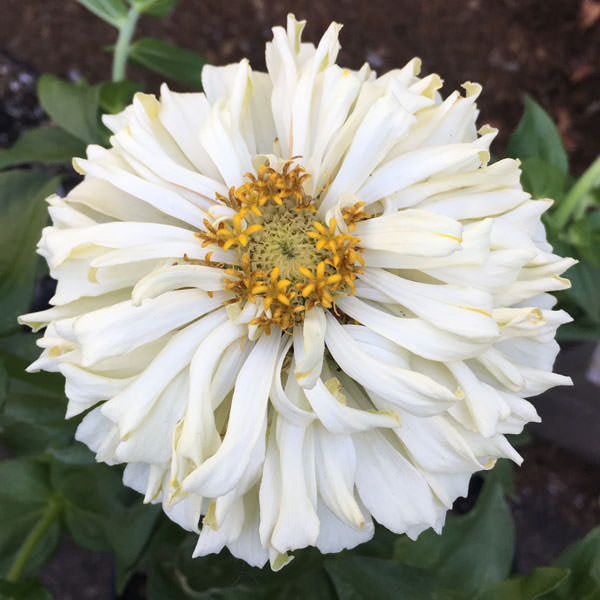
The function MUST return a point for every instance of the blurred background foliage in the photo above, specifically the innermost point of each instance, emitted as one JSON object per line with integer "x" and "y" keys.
{"x": 51, "y": 485}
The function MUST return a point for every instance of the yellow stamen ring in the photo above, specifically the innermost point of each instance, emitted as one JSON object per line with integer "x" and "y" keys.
{"x": 286, "y": 257}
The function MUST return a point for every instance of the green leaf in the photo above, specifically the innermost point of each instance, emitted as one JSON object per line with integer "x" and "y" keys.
{"x": 101, "y": 514}
{"x": 536, "y": 135}
{"x": 165, "y": 583}
{"x": 584, "y": 279}
{"x": 45, "y": 144}
{"x": 474, "y": 550}
{"x": 156, "y": 8}
{"x": 24, "y": 213}
{"x": 32, "y": 419}
{"x": 22, "y": 505}
{"x": 116, "y": 95}
{"x": 174, "y": 574}
{"x": 579, "y": 330}
{"x": 53, "y": 383}
{"x": 542, "y": 180}
{"x": 381, "y": 545}
{"x": 3, "y": 384}
{"x": 168, "y": 60}
{"x": 583, "y": 194}
{"x": 74, "y": 454}
{"x": 30, "y": 589}
{"x": 111, "y": 11}
{"x": 585, "y": 235}
{"x": 583, "y": 559}
{"x": 502, "y": 473}
{"x": 528, "y": 587}
{"x": 73, "y": 106}
{"x": 363, "y": 578}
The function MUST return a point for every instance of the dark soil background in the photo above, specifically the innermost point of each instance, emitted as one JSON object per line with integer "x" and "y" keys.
{"x": 547, "y": 48}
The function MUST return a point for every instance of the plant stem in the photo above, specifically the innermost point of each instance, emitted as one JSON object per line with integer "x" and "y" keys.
{"x": 122, "y": 47}
{"x": 569, "y": 204}
{"x": 31, "y": 541}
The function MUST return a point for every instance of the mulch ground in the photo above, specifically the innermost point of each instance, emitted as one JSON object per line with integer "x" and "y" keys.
{"x": 547, "y": 48}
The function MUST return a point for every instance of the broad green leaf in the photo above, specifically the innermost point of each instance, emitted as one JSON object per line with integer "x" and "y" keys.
{"x": 381, "y": 545}
{"x": 116, "y": 95}
{"x": 474, "y": 550}
{"x": 111, "y": 11}
{"x": 25, "y": 496}
{"x": 542, "y": 180}
{"x": 20, "y": 345}
{"x": 579, "y": 330}
{"x": 168, "y": 60}
{"x": 101, "y": 514}
{"x": 30, "y": 589}
{"x": 156, "y": 8}
{"x": 34, "y": 438}
{"x": 173, "y": 573}
{"x": 585, "y": 235}
{"x": 516, "y": 441}
{"x": 74, "y": 454}
{"x": 364, "y": 578}
{"x": 32, "y": 421}
{"x": 536, "y": 135}
{"x": 584, "y": 193}
{"x": 73, "y": 106}
{"x": 528, "y": 587}
{"x": 3, "y": 384}
{"x": 584, "y": 279}
{"x": 50, "y": 383}
{"x": 583, "y": 559}
{"x": 45, "y": 144}
{"x": 24, "y": 213}
{"x": 166, "y": 583}
{"x": 503, "y": 474}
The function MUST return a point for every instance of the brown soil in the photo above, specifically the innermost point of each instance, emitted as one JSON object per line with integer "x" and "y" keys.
{"x": 547, "y": 48}
{"x": 557, "y": 502}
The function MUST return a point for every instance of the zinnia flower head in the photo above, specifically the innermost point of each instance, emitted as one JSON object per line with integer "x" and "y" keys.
{"x": 300, "y": 301}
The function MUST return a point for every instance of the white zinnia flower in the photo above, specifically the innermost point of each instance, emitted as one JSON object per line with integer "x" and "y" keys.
{"x": 300, "y": 300}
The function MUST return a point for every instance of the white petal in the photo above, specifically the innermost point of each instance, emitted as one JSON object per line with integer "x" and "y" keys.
{"x": 336, "y": 466}
{"x": 414, "y": 334}
{"x": 122, "y": 327}
{"x": 415, "y": 392}
{"x": 297, "y": 524}
{"x": 160, "y": 197}
{"x": 289, "y": 401}
{"x": 309, "y": 347}
{"x": 335, "y": 536}
{"x": 393, "y": 490}
{"x": 410, "y": 232}
{"x": 177, "y": 276}
{"x": 336, "y": 417}
{"x": 199, "y": 437}
{"x": 218, "y": 474}
{"x": 464, "y": 311}
{"x": 183, "y": 115}
{"x": 151, "y": 441}
{"x": 383, "y": 125}
{"x": 247, "y": 544}
{"x": 130, "y": 407}
{"x": 414, "y": 166}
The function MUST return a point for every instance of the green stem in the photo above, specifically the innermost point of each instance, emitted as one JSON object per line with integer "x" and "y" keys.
{"x": 569, "y": 204}
{"x": 31, "y": 541}
{"x": 122, "y": 47}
